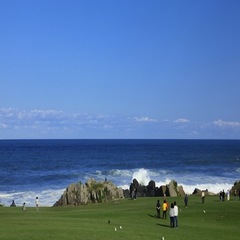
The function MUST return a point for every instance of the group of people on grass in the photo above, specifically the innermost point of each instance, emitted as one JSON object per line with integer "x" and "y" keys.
{"x": 226, "y": 195}
{"x": 24, "y": 206}
{"x": 173, "y": 212}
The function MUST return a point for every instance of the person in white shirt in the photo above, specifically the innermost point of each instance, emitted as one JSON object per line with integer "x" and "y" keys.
{"x": 175, "y": 215}
{"x": 228, "y": 195}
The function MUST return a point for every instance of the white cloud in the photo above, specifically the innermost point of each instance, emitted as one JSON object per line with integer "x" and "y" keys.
{"x": 7, "y": 112}
{"x": 52, "y": 120}
{"x": 39, "y": 123}
{"x": 182, "y": 120}
{"x": 144, "y": 119}
{"x": 3, "y": 125}
{"x": 28, "y": 115}
{"x": 221, "y": 123}
{"x": 45, "y": 114}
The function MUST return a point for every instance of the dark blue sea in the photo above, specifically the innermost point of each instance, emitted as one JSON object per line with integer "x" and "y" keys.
{"x": 44, "y": 168}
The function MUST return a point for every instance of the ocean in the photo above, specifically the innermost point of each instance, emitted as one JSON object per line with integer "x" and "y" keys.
{"x": 44, "y": 168}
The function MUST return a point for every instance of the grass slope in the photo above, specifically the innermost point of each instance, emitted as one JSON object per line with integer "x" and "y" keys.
{"x": 137, "y": 218}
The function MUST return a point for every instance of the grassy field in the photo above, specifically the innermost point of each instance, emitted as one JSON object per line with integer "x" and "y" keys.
{"x": 137, "y": 218}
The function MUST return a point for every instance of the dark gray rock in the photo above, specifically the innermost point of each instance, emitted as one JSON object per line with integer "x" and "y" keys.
{"x": 172, "y": 189}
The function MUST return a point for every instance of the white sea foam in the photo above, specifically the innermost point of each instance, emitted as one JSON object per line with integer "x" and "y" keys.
{"x": 124, "y": 186}
{"x": 46, "y": 197}
{"x": 121, "y": 173}
{"x": 123, "y": 179}
{"x": 142, "y": 176}
{"x": 214, "y": 184}
{"x": 212, "y": 188}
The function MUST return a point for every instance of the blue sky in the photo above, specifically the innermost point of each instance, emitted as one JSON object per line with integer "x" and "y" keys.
{"x": 120, "y": 69}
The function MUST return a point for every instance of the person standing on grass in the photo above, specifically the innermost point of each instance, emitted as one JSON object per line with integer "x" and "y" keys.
{"x": 171, "y": 215}
{"x": 203, "y": 196}
{"x": 175, "y": 215}
{"x": 37, "y": 204}
{"x": 158, "y": 207}
{"x": 235, "y": 194}
{"x": 164, "y": 209}
{"x": 223, "y": 195}
{"x": 24, "y": 208}
{"x": 13, "y": 204}
{"x": 186, "y": 200}
{"x": 220, "y": 196}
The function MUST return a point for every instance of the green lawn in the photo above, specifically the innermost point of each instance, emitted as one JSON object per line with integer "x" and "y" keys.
{"x": 137, "y": 218}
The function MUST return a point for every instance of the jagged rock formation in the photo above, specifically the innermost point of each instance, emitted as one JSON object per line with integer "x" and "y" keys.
{"x": 136, "y": 190}
{"x": 198, "y": 192}
{"x": 96, "y": 192}
{"x": 91, "y": 192}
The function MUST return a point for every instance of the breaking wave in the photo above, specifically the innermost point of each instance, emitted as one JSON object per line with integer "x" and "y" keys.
{"x": 214, "y": 184}
{"x": 123, "y": 179}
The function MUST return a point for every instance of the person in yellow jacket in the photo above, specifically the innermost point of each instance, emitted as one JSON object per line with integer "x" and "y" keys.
{"x": 164, "y": 209}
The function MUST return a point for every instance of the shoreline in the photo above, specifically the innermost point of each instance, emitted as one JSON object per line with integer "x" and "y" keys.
{"x": 49, "y": 196}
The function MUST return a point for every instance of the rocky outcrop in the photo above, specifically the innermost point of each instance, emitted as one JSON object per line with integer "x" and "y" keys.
{"x": 180, "y": 191}
{"x": 198, "y": 192}
{"x": 136, "y": 190}
{"x": 96, "y": 192}
{"x": 172, "y": 189}
{"x": 91, "y": 192}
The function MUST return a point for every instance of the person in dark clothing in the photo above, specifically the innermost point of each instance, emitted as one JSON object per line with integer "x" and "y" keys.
{"x": 223, "y": 196}
{"x": 158, "y": 207}
{"x": 13, "y": 204}
{"x": 171, "y": 215}
{"x": 186, "y": 200}
{"x": 131, "y": 191}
